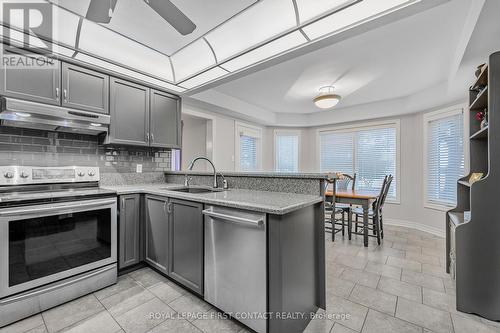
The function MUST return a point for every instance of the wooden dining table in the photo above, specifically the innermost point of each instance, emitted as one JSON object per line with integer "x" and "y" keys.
{"x": 356, "y": 198}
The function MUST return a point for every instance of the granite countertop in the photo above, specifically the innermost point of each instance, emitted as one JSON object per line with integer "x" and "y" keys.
{"x": 261, "y": 201}
{"x": 255, "y": 174}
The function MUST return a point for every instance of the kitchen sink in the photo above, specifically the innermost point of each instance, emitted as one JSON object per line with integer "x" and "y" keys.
{"x": 194, "y": 190}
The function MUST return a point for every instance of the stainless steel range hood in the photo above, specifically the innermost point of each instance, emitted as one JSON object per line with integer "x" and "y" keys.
{"x": 18, "y": 113}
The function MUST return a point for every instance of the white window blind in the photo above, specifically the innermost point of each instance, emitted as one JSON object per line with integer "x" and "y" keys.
{"x": 376, "y": 157}
{"x": 248, "y": 153}
{"x": 287, "y": 152}
{"x": 445, "y": 158}
{"x": 337, "y": 152}
{"x": 370, "y": 153}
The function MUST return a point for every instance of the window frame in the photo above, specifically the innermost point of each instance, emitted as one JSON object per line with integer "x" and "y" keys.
{"x": 286, "y": 132}
{"x": 395, "y": 123}
{"x": 252, "y": 131}
{"x": 427, "y": 118}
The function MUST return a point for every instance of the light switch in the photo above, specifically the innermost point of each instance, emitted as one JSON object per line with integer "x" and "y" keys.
{"x": 138, "y": 168}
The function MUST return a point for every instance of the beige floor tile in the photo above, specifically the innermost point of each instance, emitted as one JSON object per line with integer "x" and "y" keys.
{"x": 439, "y": 300}
{"x": 424, "y": 280}
{"x": 24, "y": 325}
{"x": 422, "y": 258}
{"x": 147, "y": 277}
{"x": 339, "y": 287}
{"x": 377, "y": 257}
{"x": 124, "y": 282}
{"x": 166, "y": 291}
{"x": 405, "y": 264}
{"x": 401, "y": 289}
{"x": 435, "y": 270}
{"x": 39, "y": 329}
{"x": 377, "y": 322}
{"x": 465, "y": 325}
{"x": 351, "y": 261}
{"x": 72, "y": 312}
{"x": 364, "y": 278}
{"x": 346, "y": 313}
{"x": 424, "y": 316}
{"x": 374, "y": 299}
{"x": 175, "y": 326}
{"x": 338, "y": 328}
{"x": 145, "y": 316}
{"x": 217, "y": 323}
{"x": 384, "y": 270}
{"x": 320, "y": 325}
{"x": 123, "y": 301}
{"x": 101, "y": 322}
{"x": 190, "y": 307}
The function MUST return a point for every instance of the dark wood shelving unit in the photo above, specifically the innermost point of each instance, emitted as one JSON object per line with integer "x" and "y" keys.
{"x": 472, "y": 243}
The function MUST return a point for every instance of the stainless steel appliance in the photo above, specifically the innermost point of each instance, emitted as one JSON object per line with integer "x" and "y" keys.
{"x": 19, "y": 113}
{"x": 235, "y": 264}
{"x": 58, "y": 237}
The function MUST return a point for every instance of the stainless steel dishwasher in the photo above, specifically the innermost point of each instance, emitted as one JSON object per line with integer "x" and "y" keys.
{"x": 235, "y": 264}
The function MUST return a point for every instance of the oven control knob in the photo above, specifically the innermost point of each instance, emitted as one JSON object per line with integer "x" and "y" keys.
{"x": 91, "y": 173}
{"x": 24, "y": 175}
{"x": 8, "y": 174}
{"x": 81, "y": 174}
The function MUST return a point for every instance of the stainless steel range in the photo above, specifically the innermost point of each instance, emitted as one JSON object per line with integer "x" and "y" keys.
{"x": 58, "y": 237}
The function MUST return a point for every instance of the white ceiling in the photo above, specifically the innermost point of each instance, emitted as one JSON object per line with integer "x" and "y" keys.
{"x": 135, "y": 19}
{"x": 409, "y": 61}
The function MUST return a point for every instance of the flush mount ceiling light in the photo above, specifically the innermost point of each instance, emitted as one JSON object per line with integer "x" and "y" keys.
{"x": 326, "y": 99}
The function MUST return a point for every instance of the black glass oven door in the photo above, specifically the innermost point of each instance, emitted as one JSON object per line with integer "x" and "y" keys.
{"x": 44, "y": 246}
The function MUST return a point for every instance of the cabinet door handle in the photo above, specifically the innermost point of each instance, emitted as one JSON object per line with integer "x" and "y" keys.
{"x": 152, "y": 137}
{"x": 57, "y": 93}
{"x": 65, "y": 94}
{"x": 147, "y": 136}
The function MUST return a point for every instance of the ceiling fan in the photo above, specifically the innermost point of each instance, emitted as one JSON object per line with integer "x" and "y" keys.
{"x": 101, "y": 11}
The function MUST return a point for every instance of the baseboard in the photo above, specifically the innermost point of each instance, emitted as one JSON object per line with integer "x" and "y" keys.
{"x": 415, "y": 225}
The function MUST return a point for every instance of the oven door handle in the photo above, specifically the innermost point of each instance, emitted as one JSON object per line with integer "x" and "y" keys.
{"x": 55, "y": 207}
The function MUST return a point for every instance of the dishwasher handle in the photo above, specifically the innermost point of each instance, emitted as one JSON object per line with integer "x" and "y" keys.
{"x": 235, "y": 219}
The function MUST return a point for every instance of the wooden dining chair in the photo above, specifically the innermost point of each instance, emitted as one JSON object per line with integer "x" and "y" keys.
{"x": 374, "y": 214}
{"x": 343, "y": 183}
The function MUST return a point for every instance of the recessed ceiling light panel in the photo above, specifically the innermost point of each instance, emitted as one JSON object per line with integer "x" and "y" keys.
{"x": 259, "y": 23}
{"x": 274, "y": 48}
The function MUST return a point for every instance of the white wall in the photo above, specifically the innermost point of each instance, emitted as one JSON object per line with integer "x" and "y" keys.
{"x": 224, "y": 137}
{"x": 410, "y": 211}
{"x": 194, "y": 141}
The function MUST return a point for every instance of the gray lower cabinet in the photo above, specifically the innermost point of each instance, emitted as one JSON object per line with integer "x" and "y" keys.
{"x": 129, "y": 227}
{"x": 186, "y": 244}
{"x": 40, "y": 85}
{"x": 85, "y": 89}
{"x": 129, "y": 109}
{"x": 165, "y": 120}
{"x": 157, "y": 232}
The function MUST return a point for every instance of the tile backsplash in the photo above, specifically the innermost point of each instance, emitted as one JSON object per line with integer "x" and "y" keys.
{"x": 42, "y": 148}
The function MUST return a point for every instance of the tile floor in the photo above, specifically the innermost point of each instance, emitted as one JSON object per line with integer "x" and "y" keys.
{"x": 400, "y": 286}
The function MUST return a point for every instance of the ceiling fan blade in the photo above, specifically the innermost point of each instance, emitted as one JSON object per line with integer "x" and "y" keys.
{"x": 172, "y": 15}
{"x": 99, "y": 10}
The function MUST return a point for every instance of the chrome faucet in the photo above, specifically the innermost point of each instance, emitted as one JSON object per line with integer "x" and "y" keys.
{"x": 191, "y": 165}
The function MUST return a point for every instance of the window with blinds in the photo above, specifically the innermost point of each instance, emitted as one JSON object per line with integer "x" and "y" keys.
{"x": 286, "y": 152}
{"x": 445, "y": 162}
{"x": 248, "y": 153}
{"x": 371, "y": 153}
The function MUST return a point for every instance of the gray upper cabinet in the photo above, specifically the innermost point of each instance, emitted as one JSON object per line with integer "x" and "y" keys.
{"x": 165, "y": 120}
{"x": 85, "y": 89}
{"x": 129, "y": 106}
{"x": 129, "y": 230}
{"x": 186, "y": 244}
{"x": 37, "y": 85}
{"x": 157, "y": 232}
